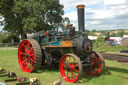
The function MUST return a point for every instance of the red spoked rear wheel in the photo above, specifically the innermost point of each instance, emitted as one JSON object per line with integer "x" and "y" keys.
{"x": 70, "y": 68}
{"x": 98, "y": 64}
{"x": 29, "y": 55}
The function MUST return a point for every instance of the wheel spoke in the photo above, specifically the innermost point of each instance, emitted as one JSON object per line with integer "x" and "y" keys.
{"x": 76, "y": 65}
{"x": 69, "y": 59}
{"x": 33, "y": 57}
{"x": 24, "y": 61}
{"x": 68, "y": 62}
{"x": 24, "y": 45}
{"x": 76, "y": 70}
{"x": 32, "y": 60}
{"x": 31, "y": 65}
{"x": 26, "y": 66}
{"x": 23, "y": 58}
{"x": 97, "y": 70}
{"x": 99, "y": 59}
{"x": 30, "y": 50}
{"x": 72, "y": 77}
{"x": 31, "y": 54}
{"x": 21, "y": 53}
{"x": 64, "y": 65}
{"x": 67, "y": 73}
{"x": 73, "y": 61}
{"x": 74, "y": 74}
{"x": 100, "y": 65}
{"x": 28, "y": 44}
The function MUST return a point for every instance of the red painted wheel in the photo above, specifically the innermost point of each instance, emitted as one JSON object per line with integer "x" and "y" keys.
{"x": 98, "y": 64}
{"x": 70, "y": 68}
{"x": 29, "y": 55}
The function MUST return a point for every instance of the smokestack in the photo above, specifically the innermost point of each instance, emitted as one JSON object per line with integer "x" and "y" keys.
{"x": 108, "y": 36}
{"x": 80, "y": 12}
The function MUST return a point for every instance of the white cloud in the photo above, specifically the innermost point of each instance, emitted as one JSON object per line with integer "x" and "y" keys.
{"x": 99, "y": 14}
{"x": 92, "y": 2}
{"x": 68, "y": 4}
{"x": 117, "y": 7}
{"x": 72, "y": 15}
{"x": 94, "y": 22}
{"x": 73, "y": 18}
{"x": 113, "y": 2}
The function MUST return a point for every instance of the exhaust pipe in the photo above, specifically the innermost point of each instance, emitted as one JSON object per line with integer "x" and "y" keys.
{"x": 80, "y": 12}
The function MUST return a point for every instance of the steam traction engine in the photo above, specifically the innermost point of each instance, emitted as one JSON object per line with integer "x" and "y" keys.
{"x": 70, "y": 50}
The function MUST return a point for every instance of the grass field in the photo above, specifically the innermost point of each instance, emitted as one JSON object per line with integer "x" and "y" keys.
{"x": 114, "y": 74}
{"x": 108, "y": 48}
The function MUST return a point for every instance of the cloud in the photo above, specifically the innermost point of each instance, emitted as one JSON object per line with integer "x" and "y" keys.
{"x": 111, "y": 2}
{"x": 92, "y": 2}
{"x": 68, "y": 4}
{"x": 99, "y": 14}
{"x": 72, "y": 15}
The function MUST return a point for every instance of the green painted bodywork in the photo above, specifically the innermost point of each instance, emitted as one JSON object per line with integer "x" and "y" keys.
{"x": 45, "y": 41}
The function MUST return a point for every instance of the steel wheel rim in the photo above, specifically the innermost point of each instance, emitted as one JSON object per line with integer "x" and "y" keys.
{"x": 97, "y": 66}
{"x": 69, "y": 67}
{"x": 26, "y": 56}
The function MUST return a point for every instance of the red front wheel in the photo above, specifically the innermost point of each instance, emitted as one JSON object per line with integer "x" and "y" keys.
{"x": 98, "y": 64}
{"x": 70, "y": 68}
{"x": 29, "y": 55}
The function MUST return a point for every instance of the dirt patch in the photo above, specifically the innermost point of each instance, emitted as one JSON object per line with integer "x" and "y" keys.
{"x": 120, "y": 57}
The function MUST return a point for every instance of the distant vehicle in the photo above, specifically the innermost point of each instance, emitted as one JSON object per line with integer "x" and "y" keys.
{"x": 112, "y": 42}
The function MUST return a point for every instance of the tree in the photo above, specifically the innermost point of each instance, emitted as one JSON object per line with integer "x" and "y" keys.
{"x": 26, "y": 16}
{"x": 91, "y": 33}
{"x": 104, "y": 33}
{"x": 113, "y": 34}
{"x": 94, "y": 30}
{"x": 100, "y": 41}
{"x": 120, "y": 33}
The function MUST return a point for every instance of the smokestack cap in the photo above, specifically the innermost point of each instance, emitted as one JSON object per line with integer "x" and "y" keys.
{"x": 80, "y": 6}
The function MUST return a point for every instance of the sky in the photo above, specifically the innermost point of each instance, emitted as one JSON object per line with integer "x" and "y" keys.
{"x": 99, "y": 14}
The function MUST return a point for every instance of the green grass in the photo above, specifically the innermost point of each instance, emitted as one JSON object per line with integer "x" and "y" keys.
{"x": 114, "y": 74}
{"x": 108, "y": 48}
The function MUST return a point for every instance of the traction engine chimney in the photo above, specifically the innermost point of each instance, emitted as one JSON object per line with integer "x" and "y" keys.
{"x": 80, "y": 12}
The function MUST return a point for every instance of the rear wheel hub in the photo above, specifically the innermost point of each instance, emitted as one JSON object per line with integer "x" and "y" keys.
{"x": 26, "y": 56}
